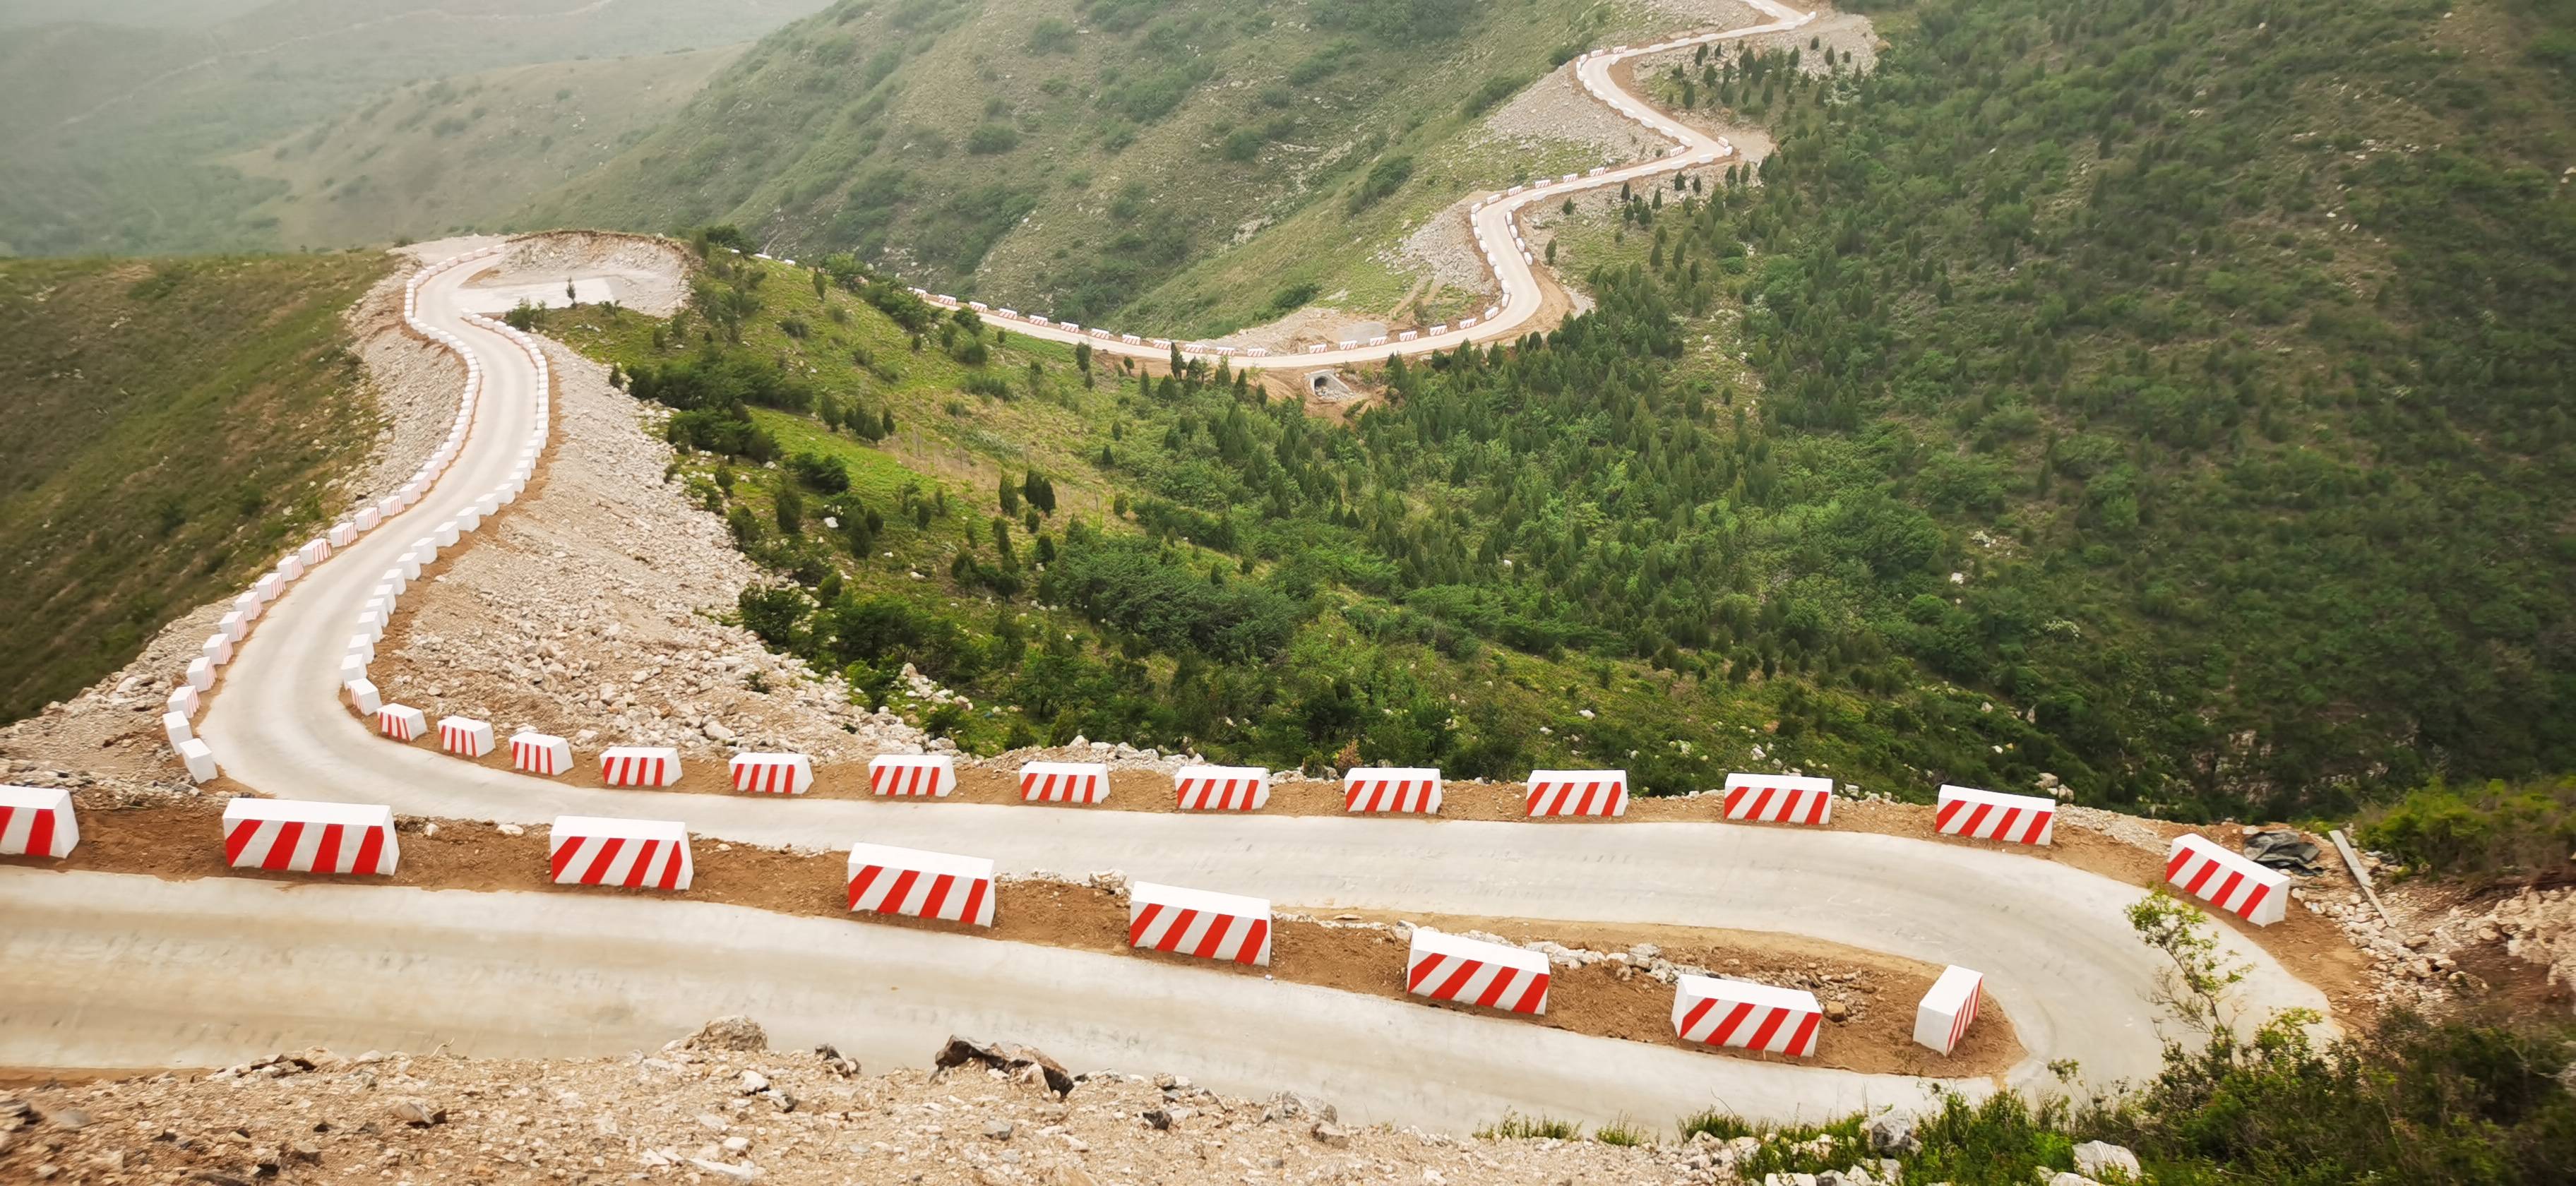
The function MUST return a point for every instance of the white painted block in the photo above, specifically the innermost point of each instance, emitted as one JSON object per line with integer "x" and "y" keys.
{"x": 200, "y": 759}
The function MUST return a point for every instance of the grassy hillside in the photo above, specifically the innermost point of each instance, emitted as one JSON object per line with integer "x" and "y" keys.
{"x": 435, "y": 157}
{"x": 170, "y": 427}
{"x": 2031, "y": 418}
{"x": 1071, "y": 155}
{"x": 116, "y": 133}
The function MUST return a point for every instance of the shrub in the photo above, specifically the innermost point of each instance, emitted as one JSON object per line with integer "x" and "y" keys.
{"x": 1516, "y": 1127}
{"x": 2495, "y": 828}
{"x": 826, "y": 475}
{"x": 988, "y": 139}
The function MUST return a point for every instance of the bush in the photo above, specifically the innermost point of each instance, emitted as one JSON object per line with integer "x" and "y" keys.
{"x": 1516, "y": 1127}
{"x": 1384, "y": 177}
{"x": 825, "y": 475}
{"x": 1495, "y": 90}
{"x": 988, "y": 139}
{"x": 2496, "y": 828}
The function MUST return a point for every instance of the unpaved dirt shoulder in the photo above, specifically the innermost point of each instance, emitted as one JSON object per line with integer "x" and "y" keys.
{"x": 1613, "y": 994}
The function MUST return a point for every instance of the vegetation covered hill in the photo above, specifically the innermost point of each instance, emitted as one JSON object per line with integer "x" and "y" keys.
{"x": 170, "y": 427}
{"x": 119, "y": 116}
{"x": 2074, "y": 435}
{"x": 443, "y": 156}
{"x": 1071, "y": 155}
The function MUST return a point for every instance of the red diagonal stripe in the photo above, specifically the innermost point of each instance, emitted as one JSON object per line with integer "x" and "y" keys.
{"x": 566, "y": 847}
{"x": 1771, "y": 1019}
{"x": 1449, "y": 989}
{"x": 326, "y": 855}
{"x": 900, "y": 892}
{"x": 40, "y": 830}
{"x": 1816, "y": 806}
{"x": 1420, "y": 971}
{"x": 2255, "y": 899}
{"x": 974, "y": 911}
{"x": 597, "y": 873}
{"x": 1252, "y": 941}
{"x": 2201, "y": 877}
{"x": 282, "y": 853}
{"x": 1143, "y": 923}
{"x": 1495, "y": 988}
{"x": 1975, "y": 818}
{"x": 1734, "y": 798}
{"x": 1734, "y": 1018}
{"x": 642, "y": 869}
{"x": 1941, "y": 817}
{"x": 371, "y": 851}
{"x": 2174, "y": 864}
{"x": 679, "y": 856}
{"x": 1801, "y": 1043}
{"x": 1178, "y": 931}
{"x": 1762, "y": 806}
{"x": 859, "y": 883}
{"x": 2234, "y": 878}
{"x": 1532, "y": 999}
{"x": 939, "y": 887}
{"x": 2004, "y": 830}
{"x": 876, "y": 779}
{"x": 1698, "y": 1012}
{"x": 2038, "y": 824}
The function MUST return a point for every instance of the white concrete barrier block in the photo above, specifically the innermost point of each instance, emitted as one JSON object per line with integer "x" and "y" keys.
{"x": 1446, "y": 967}
{"x": 1064, "y": 782}
{"x": 917, "y": 884}
{"x": 1779, "y": 798}
{"x": 37, "y": 822}
{"x": 314, "y": 551}
{"x": 468, "y": 518}
{"x": 1225, "y": 927}
{"x": 639, "y": 766}
{"x": 352, "y": 667}
{"x": 446, "y": 534}
{"x": 465, "y": 736}
{"x": 1578, "y": 792}
{"x": 289, "y": 570}
{"x": 183, "y": 700}
{"x": 1409, "y": 790}
{"x": 361, "y": 695}
{"x": 540, "y": 753}
{"x": 268, "y": 586}
{"x": 1740, "y": 1013}
{"x": 402, "y": 722}
{"x": 249, "y": 606}
{"x": 1222, "y": 788}
{"x": 2207, "y": 870}
{"x": 486, "y": 507}
{"x": 408, "y": 564}
{"x": 1992, "y": 815}
{"x": 201, "y": 674}
{"x": 217, "y": 649}
{"x": 300, "y": 836}
{"x": 367, "y": 518}
{"x": 635, "y": 853}
{"x": 772, "y": 774}
{"x": 200, "y": 760}
{"x": 175, "y": 727}
{"x": 343, "y": 534}
{"x": 929, "y": 775}
{"x": 232, "y": 626}
{"x": 360, "y": 647}
{"x": 1941, "y": 1018}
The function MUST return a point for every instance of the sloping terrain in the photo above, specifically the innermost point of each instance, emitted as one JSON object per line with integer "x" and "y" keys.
{"x": 116, "y": 132}
{"x": 1071, "y": 154}
{"x": 170, "y": 426}
{"x": 431, "y": 158}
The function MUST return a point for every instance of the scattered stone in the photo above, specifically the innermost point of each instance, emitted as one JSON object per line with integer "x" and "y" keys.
{"x": 728, "y": 1033}
{"x": 1891, "y": 1134}
{"x": 2101, "y": 1159}
{"x": 1332, "y": 1134}
{"x": 418, "y": 1113}
{"x": 1158, "y": 1119}
{"x": 999, "y": 1130}
{"x": 1020, "y": 1061}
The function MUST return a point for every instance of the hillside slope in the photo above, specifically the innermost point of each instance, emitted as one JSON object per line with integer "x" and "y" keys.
{"x": 171, "y": 426}
{"x": 2078, "y": 449}
{"x": 1071, "y": 154}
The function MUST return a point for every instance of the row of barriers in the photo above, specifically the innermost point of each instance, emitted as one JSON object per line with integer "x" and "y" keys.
{"x": 187, "y": 699}
{"x": 352, "y": 839}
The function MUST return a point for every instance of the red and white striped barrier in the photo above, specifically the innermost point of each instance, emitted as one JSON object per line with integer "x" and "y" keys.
{"x": 1779, "y": 799}
{"x": 1578, "y": 792}
{"x": 1409, "y": 790}
{"x": 1222, "y": 788}
{"x": 1739, "y": 1013}
{"x": 1993, "y": 815}
{"x": 1210, "y": 926}
{"x": 1064, "y": 782}
{"x": 37, "y": 822}
{"x": 2206, "y": 870}
{"x": 402, "y": 722}
{"x": 540, "y": 753}
{"x": 465, "y": 736}
{"x": 918, "y": 884}
{"x": 296, "y": 836}
{"x": 1942, "y": 1018}
{"x": 772, "y": 774}
{"x": 637, "y": 853}
{"x": 1446, "y": 967}
{"x": 639, "y": 766}
{"x": 913, "y": 774}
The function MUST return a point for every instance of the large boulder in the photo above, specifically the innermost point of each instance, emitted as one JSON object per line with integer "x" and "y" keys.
{"x": 729, "y": 1033}
{"x": 1891, "y": 1134}
{"x": 2101, "y": 1159}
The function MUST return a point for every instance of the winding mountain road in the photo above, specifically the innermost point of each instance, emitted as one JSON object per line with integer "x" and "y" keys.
{"x": 110, "y": 970}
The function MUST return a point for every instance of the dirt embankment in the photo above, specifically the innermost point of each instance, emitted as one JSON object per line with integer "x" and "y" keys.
{"x": 1621, "y": 991}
